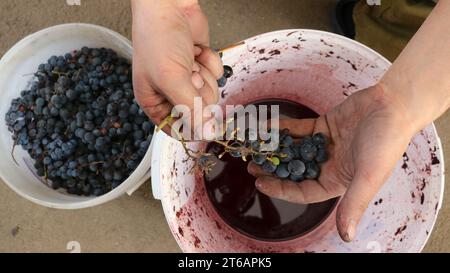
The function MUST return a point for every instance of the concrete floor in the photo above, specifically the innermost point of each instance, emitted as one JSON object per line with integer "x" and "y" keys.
{"x": 137, "y": 224}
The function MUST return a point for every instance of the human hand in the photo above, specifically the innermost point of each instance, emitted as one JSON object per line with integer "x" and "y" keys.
{"x": 369, "y": 132}
{"x": 172, "y": 61}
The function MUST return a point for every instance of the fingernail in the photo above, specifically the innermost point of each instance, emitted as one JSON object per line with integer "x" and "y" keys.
{"x": 350, "y": 231}
{"x": 264, "y": 182}
{"x": 259, "y": 185}
{"x": 197, "y": 80}
{"x": 197, "y": 50}
{"x": 196, "y": 67}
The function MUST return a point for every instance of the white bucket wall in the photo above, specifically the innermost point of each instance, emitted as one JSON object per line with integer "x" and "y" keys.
{"x": 319, "y": 70}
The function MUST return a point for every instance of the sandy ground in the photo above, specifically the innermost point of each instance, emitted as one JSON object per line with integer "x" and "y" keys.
{"x": 137, "y": 224}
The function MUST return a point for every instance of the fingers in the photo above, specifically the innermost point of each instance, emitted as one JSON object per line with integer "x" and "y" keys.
{"x": 256, "y": 170}
{"x": 202, "y": 85}
{"x": 197, "y": 80}
{"x": 375, "y": 153}
{"x": 197, "y": 51}
{"x": 209, "y": 91}
{"x": 354, "y": 204}
{"x": 305, "y": 192}
{"x": 155, "y": 105}
{"x": 180, "y": 90}
{"x": 198, "y": 23}
{"x": 321, "y": 126}
{"x": 211, "y": 60}
{"x": 159, "y": 111}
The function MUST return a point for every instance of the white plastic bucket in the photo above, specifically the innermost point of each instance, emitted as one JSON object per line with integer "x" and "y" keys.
{"x": 16, "y": 71}
{"x": 319, "y": 70}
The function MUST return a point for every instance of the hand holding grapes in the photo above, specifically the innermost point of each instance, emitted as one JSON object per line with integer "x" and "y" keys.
{"x": 371, "y": 129}
{"x": 365, "y": 145}
{"x": 172, "y": 61}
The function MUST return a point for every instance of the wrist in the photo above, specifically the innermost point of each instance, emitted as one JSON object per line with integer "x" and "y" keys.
{"x": 389, "y": 104}
{"x": 416, "y": 101}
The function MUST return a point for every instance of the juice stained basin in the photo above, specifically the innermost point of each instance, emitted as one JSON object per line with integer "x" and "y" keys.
{"x": 318, "y": 70}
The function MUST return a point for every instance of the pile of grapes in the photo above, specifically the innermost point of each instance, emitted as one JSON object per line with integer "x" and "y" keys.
{"x": 80, "y": 122}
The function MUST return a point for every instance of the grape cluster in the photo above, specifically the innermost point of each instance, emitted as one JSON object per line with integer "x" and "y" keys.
{"x": 296, "y": 160}
{"x": 80, "y": 123}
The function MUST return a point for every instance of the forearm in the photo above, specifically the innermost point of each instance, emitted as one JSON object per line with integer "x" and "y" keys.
{"x": 419, "y": 80}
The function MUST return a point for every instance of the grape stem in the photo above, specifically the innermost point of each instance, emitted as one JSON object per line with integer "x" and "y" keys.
{"x": 244, "y": 151}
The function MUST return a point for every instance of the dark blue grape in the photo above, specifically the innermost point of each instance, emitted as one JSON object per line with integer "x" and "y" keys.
{"x": 89, "y": 138}
{"x": 93, "y": 168}
{"x": 259, "y": 159}
{"x": 131, "y": 164}
{"x": 269, "y": 167}
{"x": 108, "y": 175}
{"x": 89, "y": 125}
{"x": 222, "y": 82}
{"x": 97, "y": 132}
{"x": 134, "y": 109}
{"x": 40, "y": 101}
{"x": 58, "y": 164}
{"x": 72, "y": 94}
{"x": 308, "y": 140}
{"x": 82, "y": 60}
{"x": 228, "y": 71}
{"x": 64, "y": 114}
{"x": 89, "y": 115}
{"x": 308, "y": 151}
{"x": 296, "y": 178}
{"x": 73, "y": 164}
{"x": 286, "y": 155}
{"x": 236, "y": 152}
{"x": 147, "y": 127}
{"x": 52, "y": 61}
{"x": 96, "y": 61}
{"x": 80, "y": 132}
{"x": 321, "y": 156}
{"x": 98, "y": 191}
{"x": 286, "y": 141}
{"x": 54, "y": 111}
{"x": 118, "y": 175}
{"x": 296, "y": 167}
{"x": 127, "y": 127}
{"x": 123, "y": 78}
{"x": 312, "y": 170}
{"x": 47, "y": 160}
{"x": 319, "y": 138}
{"x": 282, "y": 171}
{"x": 138, "y": 135}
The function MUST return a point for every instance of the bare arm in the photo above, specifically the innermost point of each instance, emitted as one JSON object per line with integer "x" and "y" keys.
{"x": 420, "y": 77}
